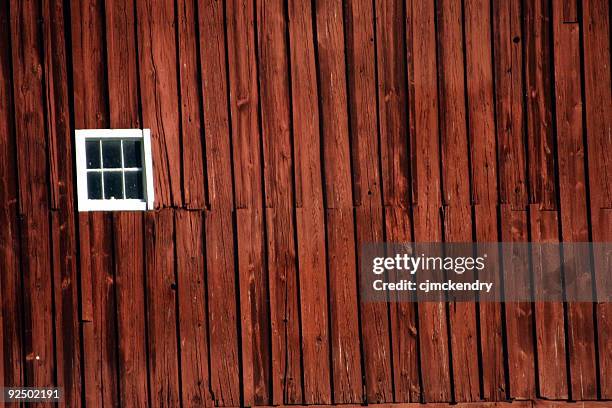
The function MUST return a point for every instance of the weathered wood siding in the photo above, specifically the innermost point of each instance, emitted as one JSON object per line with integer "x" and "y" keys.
{"x": 286, "y": 133}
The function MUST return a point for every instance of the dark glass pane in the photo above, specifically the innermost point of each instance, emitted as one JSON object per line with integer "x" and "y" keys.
{"x": 92, "y": 154}
{"x": 133, "y": 185}
{"x": 132, "y": 153}
{"x": 112, "y": 185}
{"x": 111, "y": 154}
{"x": 94, "y": 185}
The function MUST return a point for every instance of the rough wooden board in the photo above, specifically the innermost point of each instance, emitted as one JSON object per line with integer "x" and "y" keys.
{"x": 364, "y": 143}
{"x": 222, "y": 308}
{"x": 456, "y": 189}
{"x": 193, "y": 327}
{"x": 31, "y": 148}
{"x": 159, "y": 96}
{"x": 11, "y": 330}
{"x": 550, "y": 330}
{"x": 194, "y": 181}
{"x": 161, "y": 307}
{"x": 64, "y": 241}
{"x": 129, "y": 260}
{"x": 255, "y": 303}
{"x": 572, "y": 191}
{"x": 433, "y": 330}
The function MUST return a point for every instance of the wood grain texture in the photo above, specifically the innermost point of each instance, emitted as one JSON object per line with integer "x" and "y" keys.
{"x": 193, "y": 327}
{"x": 573, "y": 200}
{"x": 159, "y": 91}
{"x": 161, "y": 308}
{"x": 10, "y": 280}
{"x": 367, "y": 197}
{"x": 31, "y": 147}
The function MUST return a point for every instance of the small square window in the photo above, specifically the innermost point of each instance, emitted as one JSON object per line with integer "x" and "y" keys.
{"x": 114, "y": 170}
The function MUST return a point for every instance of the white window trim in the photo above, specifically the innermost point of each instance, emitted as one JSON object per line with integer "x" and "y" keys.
{"x": 84, "y": 203}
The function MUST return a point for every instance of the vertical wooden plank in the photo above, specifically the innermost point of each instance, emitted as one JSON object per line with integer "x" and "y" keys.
{"x": 194, "y": 183}
{"x": 550, "y": 330}
{"x": 363, "y": 115}
{"x": 131, "y": 308}
{"x": 275, "y": 102}
{"x": 191, "y": 281}
{"x": 572, "y": 189}
{"x": 338, "y": 202}
{"x": 456, "y": 189}
{"x": 539, "y": 103}
{"x": 222, "y": 305}
{"x": 128, "y": 227}
{"x": 10, "y": 279}
{"x": 394, "y": 150}
{"x": 31, "y": 146}
{"x": 433, "y": 330}
{"x": 310, "y": 218}
{"x": 519, "y": 315}
{"x": 159, "y": 95}
{"x": 481, "y": 113}
{"x": 512, "y": 184}
{"x": 67, "y": 335}
{"x": 598, "y": 106}
{"x": 246, "y": 143}
{"x": 161, "y": 306}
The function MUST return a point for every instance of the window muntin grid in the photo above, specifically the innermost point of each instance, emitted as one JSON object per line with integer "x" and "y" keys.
{"x": 114, "y": 169}
{"x": 120, "y": 159}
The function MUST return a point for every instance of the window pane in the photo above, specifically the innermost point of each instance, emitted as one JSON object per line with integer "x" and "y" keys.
{"x": 112, "y": 185}
{"x": 111, "y": 154}
{"x": 133, "y": 185}
{"x": 94, "y": 185}
{"x": 92, "y": 154}
{"x": 132, "y": 153}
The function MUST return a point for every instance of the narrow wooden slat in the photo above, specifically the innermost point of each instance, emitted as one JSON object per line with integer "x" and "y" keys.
{"x": 550, "y": 330}
{"x": 479, "y": 74}
{"x": 572, "y": 191}
{"x": 31, "y": 147}
{"x": 456, "y": 190}
{"x": 513, "y": 185}
{"x": 509, "y": 103}
{"x": 159, "y": 95}
{"x": 519, "y": 315}
{"x": 191, "y": 281}
{"x": 63, "y": 227}
{"x": 222, "y": 308}
{"x": 539, "y": 104}
{"x": 100, "y": 326}
{"x": 128, "y": 227}
{"x": 220, "y": 264}
{"x": 194, "y": 186}
{"x": 273, "y": 73}
{"x": 361, "y": 60}
{"x": 255, "y": 314}
{"x": 433, "y": 330}
{"x": 598, "y": 106}
{"x": 394, "y": 150}
{"x": 129, "y": 263}
{"x": 246, "y": 143}
{"x": 161, "y": 287}
{"x": 10, "y": 279}
{"x": 336, "y": 163}
{"x": 310, "y": 218}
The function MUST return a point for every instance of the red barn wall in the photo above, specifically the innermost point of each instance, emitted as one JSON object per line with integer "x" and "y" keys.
{"x": 285, "y": 134}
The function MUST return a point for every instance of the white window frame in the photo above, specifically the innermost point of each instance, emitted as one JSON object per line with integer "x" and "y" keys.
{"x": 86, "y": 204}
